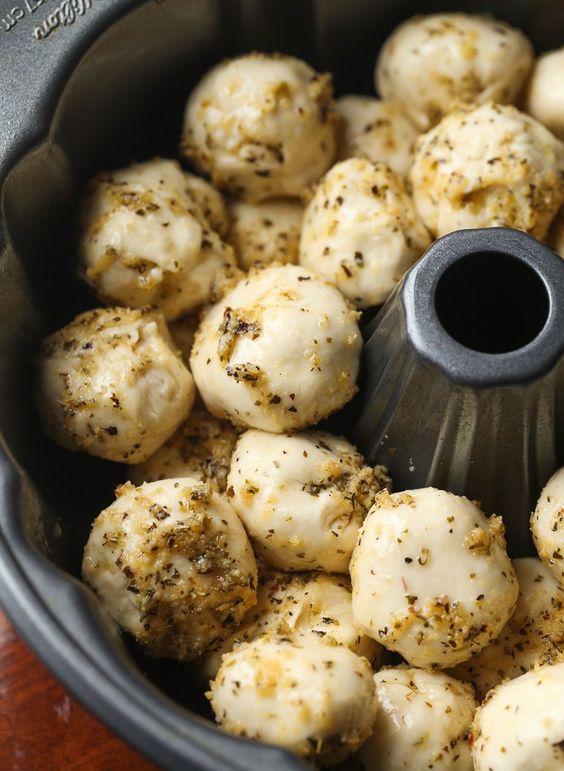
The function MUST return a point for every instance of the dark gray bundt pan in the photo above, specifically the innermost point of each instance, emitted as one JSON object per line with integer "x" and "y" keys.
{"x": 107, "y": 86}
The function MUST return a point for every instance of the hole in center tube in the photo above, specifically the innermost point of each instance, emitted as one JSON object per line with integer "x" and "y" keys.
{"x": 491, "y": 302}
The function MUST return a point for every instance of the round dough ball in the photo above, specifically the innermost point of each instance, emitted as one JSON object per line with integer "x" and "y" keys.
{"x": 202, "y": 199}
{"x": 429, "y": 64}
{"x": 172, "y": 564}
{"x": 520, "y": 726}
{"x": 265, "y": 232}
{"x": 143, "y": 240}
{"x": 261, "y": 126}
{"x": 547, "y": 526}
{"x": 533, "y": 634}
{"x": 302, "y": 497}
{"x": 376, "y": 130}
{"x": 201, "y": 448}
{"x": 308, "y": 604}
{"x": 485, "y": 167}
{"x": 423, "y": 722}
{"x": 183, "y": 332}
{"x": 311, "y": 698}
{"x": 280, "y": 351}
{"x": 110, "y": 383}
{"x": 361, "y": 231}
{"x": 209, "y": 201}
{"x": 545, "y": 94}
{"x": 556, "y": 233}
{"x": 431, "y": 578}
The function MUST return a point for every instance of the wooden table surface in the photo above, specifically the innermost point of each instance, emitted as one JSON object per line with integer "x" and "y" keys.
{"x": 42, "y": 728}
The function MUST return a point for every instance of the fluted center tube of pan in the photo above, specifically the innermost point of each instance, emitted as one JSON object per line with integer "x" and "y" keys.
{"x": 462, "y": 381}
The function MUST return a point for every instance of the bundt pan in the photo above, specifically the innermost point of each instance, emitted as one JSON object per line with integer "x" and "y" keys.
{"x": 87, "y": 85}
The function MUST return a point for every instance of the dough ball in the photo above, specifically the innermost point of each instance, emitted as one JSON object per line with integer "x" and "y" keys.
{"x": 308, "y": 604}
{"x": 111, "y": 384}
{"x": 429, "y": 64}
{"x": 556, "y": 233}
{"x": 545, "y": 94}
{"x": 183, "y": 332}
{"x": 203, "y": 200}
{"x": 520, "y": 726}
{"x": 201, "y": 448}
{"x": 144, "y": 241}
{"x": 547, "y": 526}
{"x": 311, "y": 698}
{"x": 261, "y": 126}
{"x": 361, "y": 231}
{"x": 431, "y": 578}
{"x": 376, "y": 130}
{"x": 209, "y": 201}
{"x": 280, "y": 351}
{"x": 172, "y": 564}
{"x": 302, "y": 497}
{"x": 423, "y": 722}
{"x": 265, "y": 232}
{"x": 485, "y": 167}
{"x": 533, "y": 634}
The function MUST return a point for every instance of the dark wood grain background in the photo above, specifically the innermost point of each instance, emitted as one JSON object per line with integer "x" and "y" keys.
{"x": 42, "y": 728}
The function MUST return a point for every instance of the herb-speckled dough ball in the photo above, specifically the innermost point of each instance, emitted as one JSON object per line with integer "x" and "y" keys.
{"x": 520, "y": 726}
{"x": 280, "y": 351}
{"x": 265, "y": 232}
{"x": 376, "y": 130}
{"x": 315, "y": 604}
{"x": 545, "y": 94}
{"x": 311, "y": 698}
{"x": 432, "y": 63}
{"x": 201, "y": 448}
{"x": 172, "y": 564}
{"x": 110, "y": 383}
{"x": 143, "y": 240}
{"x": 423, "y": 722}
{"x": 534, "y": 633}
{"x": 261, "y": 126}
{"x": 302, "y": 497}
{"x": 547, "y": 526}
{"x": 361, "y": 231}
{"x": 209, "y": 201}
{"x": 431, "y": 577}
{"x": 485, "y": 167}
